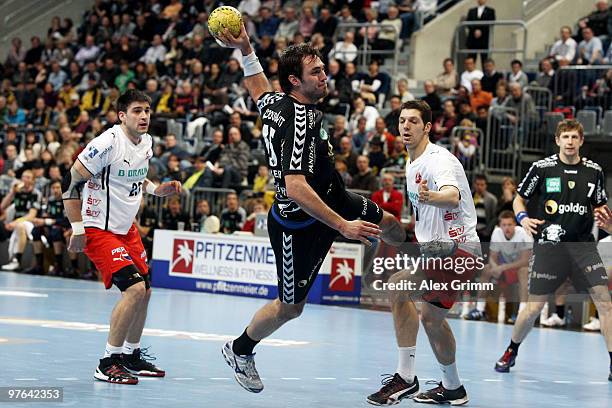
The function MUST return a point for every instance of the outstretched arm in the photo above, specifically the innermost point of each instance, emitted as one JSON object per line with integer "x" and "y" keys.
{"x": 254, "y": 78}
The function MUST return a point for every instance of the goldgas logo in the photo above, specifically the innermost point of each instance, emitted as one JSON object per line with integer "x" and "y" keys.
{"x": 342, "y": 274}
{"x": 182, "y": 256}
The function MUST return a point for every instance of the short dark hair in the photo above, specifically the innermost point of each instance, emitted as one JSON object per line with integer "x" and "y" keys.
{"x": 505, "y": 214}
{"x": 290, "y": 63}
{"x": 130, "y": 96}
{"x": 491, "y": 60}
{"x": 481, "y": 177}
{"x": 420, "y": 105}
{"x": 516, "y": 62}
{"x": 448, "y": 60}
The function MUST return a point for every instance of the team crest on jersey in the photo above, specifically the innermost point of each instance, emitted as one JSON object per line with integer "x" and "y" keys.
{"x": 92, "y": 151}
{"x": 571, "y": 184}
{"x": 418, "y": 178}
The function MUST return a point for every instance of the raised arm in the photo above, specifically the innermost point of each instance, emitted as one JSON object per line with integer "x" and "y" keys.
{"x": 255, "y": 80}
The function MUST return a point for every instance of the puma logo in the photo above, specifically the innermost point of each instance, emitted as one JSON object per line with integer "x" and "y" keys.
{"x": 125, "y": 161}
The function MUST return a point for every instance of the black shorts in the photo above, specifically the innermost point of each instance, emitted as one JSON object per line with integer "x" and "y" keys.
{"x": 551, "y": 265}
{"x": 301, "y": 247}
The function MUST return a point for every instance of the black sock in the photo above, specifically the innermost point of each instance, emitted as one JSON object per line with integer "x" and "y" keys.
{"x": 514, "y": 347}
{"x": 244, "y": 345}
{"x": 59, "y": 261}
{"x": 39, "y": 260}
{"x": 596, "y": 314}
{"x": 18, "y": 257}
{"x": 75, "y": 263}
{"x": 560, "y": 310}
{"x": 610, "y": 353}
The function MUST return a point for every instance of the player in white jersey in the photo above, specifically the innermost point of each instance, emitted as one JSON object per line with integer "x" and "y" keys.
{"x": 445, "y": 218}
{"x": 111, "y": 171}
{"x": 509, "y": 255}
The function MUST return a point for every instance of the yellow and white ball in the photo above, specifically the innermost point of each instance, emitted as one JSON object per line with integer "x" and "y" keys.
{"x": 225, "y": 17}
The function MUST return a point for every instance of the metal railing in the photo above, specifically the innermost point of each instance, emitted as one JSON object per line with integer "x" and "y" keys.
{"x": 216, "y": 198}
{"x": 459, "y": 31}
{"x": 533, "y": 132}
{"x": 440, "y": 7}
{"x": 364, "y": 53}
{"x": 500, "y": 146}
{"x": 583, "y": 86}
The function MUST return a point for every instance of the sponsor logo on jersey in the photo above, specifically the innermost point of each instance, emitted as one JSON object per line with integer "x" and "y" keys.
{"x": 418, "y": 178}
{"x": 456, "y": 232}
{"x": 93, "y": 186}
{"x": 571, "y": 184}
{"x": 570, "y": 171}
{"x": 591, "y": 268}
{"x": 451, "y": 216}
{"x": 552, "y": 234}
{"x": 182, "y": 256}
{"x": 105, "y": 152}
{"x": 134, "y": 173}
{"x": 91, "y": 213}
{"x": 93, "y": 201}
{"x": 91, "y": 152}
{"x": 551, "y": 207}
{"x": 342, "y": 274}
{"x": 120, "y": 254}
{"x": 275, "y": 117}
{"x": 532, "y": 184}
{"x": 553, "y": 184}
{"x": 311, "y": 156}
{"x": 323, "y": 134}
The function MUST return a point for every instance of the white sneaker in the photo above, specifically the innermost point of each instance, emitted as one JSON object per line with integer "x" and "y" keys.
{"x": 553, "y": 321}
{"x": 592, "y": 325}
{"x": 11, "y": 266}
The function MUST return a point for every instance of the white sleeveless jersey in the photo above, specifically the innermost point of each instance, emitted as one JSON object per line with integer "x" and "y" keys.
{"x": 111, "y": 198}
{"x": 440, "y": 168}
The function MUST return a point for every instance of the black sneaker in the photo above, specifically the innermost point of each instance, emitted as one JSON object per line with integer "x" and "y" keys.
{"x": 35, "y": 270}
{"x": 610, "y": 375}
{"x": 138, "y": 363}
{"x": 394, "y": 389}
{"x": 441, "y": 395}
{"x": 111, "y": 370}
{"x": 505, "y": 362}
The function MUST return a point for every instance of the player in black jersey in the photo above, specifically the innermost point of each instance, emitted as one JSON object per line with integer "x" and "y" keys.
{"x": 568, "y": 190}
{"x": 311, "y": 206}
{"x": 25, "y": 200}
{"x": 52, "y": 224}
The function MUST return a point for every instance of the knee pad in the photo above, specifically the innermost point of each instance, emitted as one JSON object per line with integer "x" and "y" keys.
{"x": 126, "y": 277}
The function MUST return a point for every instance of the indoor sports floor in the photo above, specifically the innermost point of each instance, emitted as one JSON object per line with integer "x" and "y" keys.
{"x": 53, "y": 331}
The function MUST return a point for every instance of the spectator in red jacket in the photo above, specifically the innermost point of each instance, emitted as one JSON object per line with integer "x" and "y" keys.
{"x": 388, "y": 198}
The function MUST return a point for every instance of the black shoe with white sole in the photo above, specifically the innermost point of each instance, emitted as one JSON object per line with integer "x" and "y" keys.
{"x": 139, "y": 363}
{"x": 441, "y": 395}
{"x": 394, "y": 389}
{"x": 111, "y": 370}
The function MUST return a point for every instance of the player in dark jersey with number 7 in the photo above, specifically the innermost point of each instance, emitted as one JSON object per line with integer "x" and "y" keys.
{"x": 569, "y": 190}
{"x": 311, "y": 206}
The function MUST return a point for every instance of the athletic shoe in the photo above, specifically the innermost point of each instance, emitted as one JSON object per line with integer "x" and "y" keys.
{"x": 111, "y": 370}
{"x": 505, "y": 362}
{"x": 476, "y": 314}
{"x": 394, "y": 389}
{"x": 441, "y": 395}
{"x": 12, "y": 266}
{"x": 35, "y": 270}
{"x": 138, "y": 363}
{"x": 553, "y": 321}
{"x": 592, "y": 325}
{"x": 244, "y": 368}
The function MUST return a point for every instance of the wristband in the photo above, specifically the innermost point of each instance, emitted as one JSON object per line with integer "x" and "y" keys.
{"x": 49, "y": 221}
{"x": 251, "y": 65}
{"x": 151, "y": 187}
{"x": 521, "y": 216}
{"x": 77, "y": 228}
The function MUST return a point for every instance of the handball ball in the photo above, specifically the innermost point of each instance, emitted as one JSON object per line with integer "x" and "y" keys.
{"x": 225, "y": 17}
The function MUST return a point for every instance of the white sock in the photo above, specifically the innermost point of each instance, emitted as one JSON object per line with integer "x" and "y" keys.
{"x": 522, "y": 305}
{"x": 481, "y": 305}
{"x": 450, "y": 376}
{"x": 405, "y": 364}
{"x": 110, "y": 350}
{"x": 128, "y": 348}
